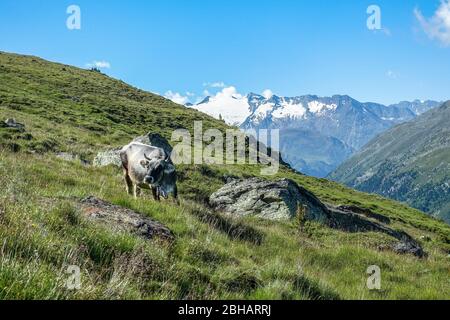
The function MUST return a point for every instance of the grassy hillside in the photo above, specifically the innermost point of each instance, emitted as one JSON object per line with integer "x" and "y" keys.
{"x": 409, "y": 163}
{"x": 41, "y": 231}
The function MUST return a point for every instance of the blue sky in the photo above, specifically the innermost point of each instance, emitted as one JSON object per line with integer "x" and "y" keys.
{"x": 297, "y": 47}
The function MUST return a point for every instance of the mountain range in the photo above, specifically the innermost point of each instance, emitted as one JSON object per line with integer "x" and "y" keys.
{"x": 340, "y": 125}
{"x": 409, "y": 163}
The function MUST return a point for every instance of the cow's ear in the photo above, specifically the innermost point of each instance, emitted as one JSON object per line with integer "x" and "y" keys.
{"x": 144, "y": 163}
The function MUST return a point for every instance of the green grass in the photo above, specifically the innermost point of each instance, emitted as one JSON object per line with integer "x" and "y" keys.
{"x": 213, "y": 256}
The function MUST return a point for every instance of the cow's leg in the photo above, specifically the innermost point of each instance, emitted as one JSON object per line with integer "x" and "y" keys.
{"x": 129, "y": 183}
{"x": 175, "y": 192}
{"x": 155, "y": 194}
{"x": 175, "y": 195}
{"x": 137, "y": 191}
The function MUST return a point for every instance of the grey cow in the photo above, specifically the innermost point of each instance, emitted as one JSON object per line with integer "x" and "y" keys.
{"x": 148, "y": 167}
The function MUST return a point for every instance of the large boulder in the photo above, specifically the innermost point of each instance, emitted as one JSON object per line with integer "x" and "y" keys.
{"x": 274, "y": 200}
{"x": 155, "y": 140}
{"x": 285, "y": 200}
{"x": 123, "y": 219}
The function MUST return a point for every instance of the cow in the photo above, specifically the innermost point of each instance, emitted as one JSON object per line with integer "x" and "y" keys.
{"x": 148, "y": 167}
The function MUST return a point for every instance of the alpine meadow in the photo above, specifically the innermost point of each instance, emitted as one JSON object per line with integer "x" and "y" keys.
{"x": 62, "y": 206}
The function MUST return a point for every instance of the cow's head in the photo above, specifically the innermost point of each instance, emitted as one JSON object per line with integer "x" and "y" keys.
{"x": 160, "y": 174}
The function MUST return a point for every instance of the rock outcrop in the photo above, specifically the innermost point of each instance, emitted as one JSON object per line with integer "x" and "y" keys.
{"x": 122, "y": 219}
{"x": 106, "y": 158}
{"x": 285, "y": 200}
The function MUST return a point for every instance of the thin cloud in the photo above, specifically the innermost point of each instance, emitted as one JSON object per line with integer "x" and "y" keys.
{"x": 391, "y": 74}
{"x": 387, "y": 31}
{"x": 438, "y": 26}
{"x": 218, "y": 84}
{"x": 99, "y": 65}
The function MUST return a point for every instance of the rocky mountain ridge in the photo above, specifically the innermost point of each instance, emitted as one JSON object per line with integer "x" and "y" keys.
{"x": 340, "y": 125}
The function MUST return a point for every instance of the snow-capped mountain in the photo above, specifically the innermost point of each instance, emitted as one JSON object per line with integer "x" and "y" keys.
{"x": 228, "y": 105}
{"x": 316, "y": 133}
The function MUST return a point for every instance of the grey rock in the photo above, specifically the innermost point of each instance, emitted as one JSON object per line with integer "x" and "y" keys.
{"x": 351, "y": 221}
{"x": 155, "y": 140}
{"x": 273, "y": 200}
{"x": 123, "y": 219}
{"x": 366, "y": 212}
{"x": 284, "y": 200}
{"x": 409, "y": 246}
{"x": 106, "y": 158}
{"x": 12, "y": 123}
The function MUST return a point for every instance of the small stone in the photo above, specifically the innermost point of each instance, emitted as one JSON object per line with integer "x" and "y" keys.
{"x": 12, "y": 123}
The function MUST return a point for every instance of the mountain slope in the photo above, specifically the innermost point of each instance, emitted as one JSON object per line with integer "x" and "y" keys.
{"x": 409, "y": 163}
{"x": 339, "y": 124}
{"x": 82, "y": 112}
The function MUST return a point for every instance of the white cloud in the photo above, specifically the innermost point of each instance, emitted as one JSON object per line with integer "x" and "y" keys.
{"x": 218, "y": 84}
{"x": 176, "y": 97}
{"x": 232, "y": 106}
{"x": 387, "y": 31}
{"x": 391, "y": 74}
{"x": 438, "y": 26}
{"x": 99, "y": 65}
{"x": 267, "y": 93}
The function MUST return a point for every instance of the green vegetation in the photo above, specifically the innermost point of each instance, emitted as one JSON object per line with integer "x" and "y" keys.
{"x": 66, "y": 109}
